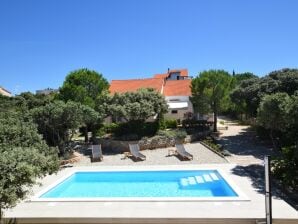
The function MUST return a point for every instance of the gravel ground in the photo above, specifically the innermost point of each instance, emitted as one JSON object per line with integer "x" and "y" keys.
{"x": 201, "y": 155}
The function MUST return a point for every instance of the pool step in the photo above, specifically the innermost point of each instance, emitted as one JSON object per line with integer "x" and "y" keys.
{"x": 207, "y": 178}
{"x": 195, "y": 180}
{"x": 214, "y": 176}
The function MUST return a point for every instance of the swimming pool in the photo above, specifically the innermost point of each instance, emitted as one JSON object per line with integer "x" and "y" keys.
{"x": 145, "y": 184}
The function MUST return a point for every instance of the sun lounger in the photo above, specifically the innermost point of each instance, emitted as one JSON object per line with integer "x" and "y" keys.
{"x": 134, "y": 151}
{"x": 96, "y": 153}
{"x": 180, "y": 150}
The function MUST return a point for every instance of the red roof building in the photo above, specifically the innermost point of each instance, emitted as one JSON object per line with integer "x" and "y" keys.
{"x": 177, "y": 88}
{"x": 131, "y": 85}
{"x": 174, "y": 85}
{"x": 182, "y": 73}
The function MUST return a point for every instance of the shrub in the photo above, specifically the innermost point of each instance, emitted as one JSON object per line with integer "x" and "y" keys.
{"x": 180, "y": 134}
{"x": 175, "y": 134}
{"x": 286, "y": 167}
{"x": 217, "y": 147}
{"x": 110, "y": 128}
{"x": 170, "y": 123}
{"x": 194, "y": 126}
{"x": 136, "y": 129}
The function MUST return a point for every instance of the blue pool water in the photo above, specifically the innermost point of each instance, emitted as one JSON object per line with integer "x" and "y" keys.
{"x": 182, "y": 183}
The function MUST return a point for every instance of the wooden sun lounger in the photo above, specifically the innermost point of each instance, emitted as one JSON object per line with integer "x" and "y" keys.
{"x": 134, "y": 151}
{"x": 180, "y": 151}
{"x": 96, "y": 153}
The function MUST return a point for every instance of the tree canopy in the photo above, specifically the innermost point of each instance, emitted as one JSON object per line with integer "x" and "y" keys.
{"x": 251, "y": 91}
{"x": 136, "y": 106}
{"x": 272, "y": 113}
{"x": 57, "y": 121}
{"x": 24, "y": 156}
{"x": 210, "y": 92}
{"x": 83, "y": 86}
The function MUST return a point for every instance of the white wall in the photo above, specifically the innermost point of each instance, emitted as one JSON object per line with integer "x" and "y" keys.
{"x": 180, "y": 112}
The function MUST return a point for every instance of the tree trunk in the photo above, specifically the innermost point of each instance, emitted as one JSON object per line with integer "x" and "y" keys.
{"x": 215, "y": 121}
{"x": 272, "y": 139}
{"x": 1, "y": 215}
{"x": 86, "y": 134}
{"x": 93, "y": 136}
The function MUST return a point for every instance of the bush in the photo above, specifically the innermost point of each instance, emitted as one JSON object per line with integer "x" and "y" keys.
{"x": 166, "y": 133}
{"x": 109, "y": 128}
{"x": 262, "y": 132}
{"x": 180, "y": 134}
{"x": 167, "y": 123}
{"x": 189, "y": 123}
{"x": 217, "y": 147}
{"x": 286, "y": 167}
{"x": 135, "y": 130}
{"x": 194, "y": 126}
{"x": 170, "y": 123}
{"x": 175, "y": 134}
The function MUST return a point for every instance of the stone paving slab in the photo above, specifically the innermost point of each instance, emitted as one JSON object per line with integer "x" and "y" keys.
{"x": 201, "y": 155}
{"x": 155, "y": 212}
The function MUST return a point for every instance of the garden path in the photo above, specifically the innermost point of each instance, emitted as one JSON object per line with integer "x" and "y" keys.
{"x": 247, "y": 152}
{"x": 243, "y": 144}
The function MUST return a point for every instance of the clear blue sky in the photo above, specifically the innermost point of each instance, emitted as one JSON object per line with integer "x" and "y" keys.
{"x": 41, "y": 41}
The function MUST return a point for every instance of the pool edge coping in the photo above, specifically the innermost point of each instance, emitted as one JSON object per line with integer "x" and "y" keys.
{"x": 241, "y": 195}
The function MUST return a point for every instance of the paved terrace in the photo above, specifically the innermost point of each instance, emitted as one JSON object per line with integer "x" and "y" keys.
{"x": 243, "y": 211}
{"x": 201, "y": 155}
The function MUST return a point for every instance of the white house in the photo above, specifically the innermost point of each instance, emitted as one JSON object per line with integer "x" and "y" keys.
{"x": 5, "y": 92}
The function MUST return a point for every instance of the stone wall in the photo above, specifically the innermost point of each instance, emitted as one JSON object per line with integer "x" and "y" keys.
{"x": 117, "y": 146}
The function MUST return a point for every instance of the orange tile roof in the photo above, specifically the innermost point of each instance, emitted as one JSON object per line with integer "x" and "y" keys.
{"x": 131, "y": 85}
{"x": 160, "y": 76}
{"x": 183, "y": 72}
{"x": 177, "y": 88}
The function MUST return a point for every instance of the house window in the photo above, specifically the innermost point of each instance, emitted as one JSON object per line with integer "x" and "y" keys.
{"x": 174, "y": 111}
{"x": 174, "y": 76}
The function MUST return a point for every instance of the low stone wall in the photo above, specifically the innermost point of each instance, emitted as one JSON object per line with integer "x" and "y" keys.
{"x": 117, "y": 146}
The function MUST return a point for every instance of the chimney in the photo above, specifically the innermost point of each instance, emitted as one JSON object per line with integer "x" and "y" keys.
{"x": 168, "y": 70}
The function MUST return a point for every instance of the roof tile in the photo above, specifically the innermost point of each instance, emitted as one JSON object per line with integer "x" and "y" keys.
{"x": 177, "y": 88}
{"x": 122, "y": 86}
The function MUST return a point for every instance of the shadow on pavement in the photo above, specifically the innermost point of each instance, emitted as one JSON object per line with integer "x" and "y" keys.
{"x": 246, "y": 143}
{"x": 256, "y": 174}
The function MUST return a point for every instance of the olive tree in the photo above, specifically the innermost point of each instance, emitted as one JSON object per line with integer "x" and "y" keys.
{"x": 272, "y": 113}
{"x": 24, "y": 156}
{"x": 137, "y": 106}
{"x": 58, "y": 121}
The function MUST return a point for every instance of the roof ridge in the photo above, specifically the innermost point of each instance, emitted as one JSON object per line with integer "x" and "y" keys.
{"x": 4, "y": 89}
{"x": 133, "y": 79}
